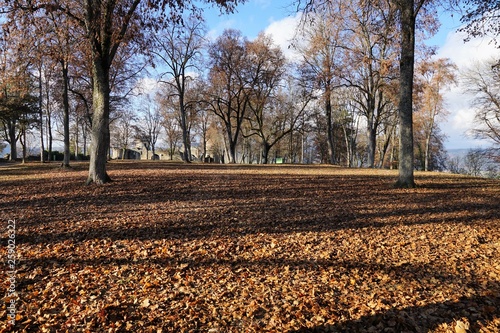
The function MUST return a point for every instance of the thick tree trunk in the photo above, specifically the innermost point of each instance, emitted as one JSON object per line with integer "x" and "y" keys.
{"x": 204, "y": 145}
{"x": 406, "y": 158}
{"x": 231, "y": 143}
{"x": 186, "y": 155}
{"x": 232, "y": 152}
{"x": 330, "y": 127}
{"x": 385, "y": 147}
{"x": 371, "y": 134}
{"x": 67, "y": 153}
{"x": 372, "y": 142}
{"x": 100, "y": 137}
{"x": 40, "y": 113}
{"x": 49, "y": 125}
{"x": 12, "y": 140}
{"x": 266, "y": 147}
{"x": 22, "y": 139}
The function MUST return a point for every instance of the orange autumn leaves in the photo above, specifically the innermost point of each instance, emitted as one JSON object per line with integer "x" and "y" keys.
{"x": 174, "y": 248}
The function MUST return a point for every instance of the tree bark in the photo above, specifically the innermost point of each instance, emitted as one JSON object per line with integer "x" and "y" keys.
{"x": 22, "y": 139}
{"x": 185, "y": 133}
{"x": 232, "y": 152}
{"x": 428, "y": 142}
{"x": 100, "y": 137}
{"x": 426, "y": 152}
{"x": 12, "y": 140}
{"x": 40, "y": 113}
{"x": 266, "y": 147}
{"x": 405, "y": 111}
{"x": 330, "y": 125}
{"x": 372, "y": 143}
{"x": 48, "y": 122}
{"x": 67, "y": 153}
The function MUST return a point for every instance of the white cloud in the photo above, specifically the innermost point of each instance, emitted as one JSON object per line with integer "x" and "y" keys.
{"x": 222, "y": 25}
{"x": 146, "y": 86}
{"x": 283, "y": 32}
{"x": 462, "y": 54}
{"x": 460, "y": 121}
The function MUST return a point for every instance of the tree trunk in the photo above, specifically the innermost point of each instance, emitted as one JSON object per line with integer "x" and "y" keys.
{"x": 231, "y": 143}
{"x": 12, "y": 140}
{"x": 348, "y": 141}
{"x": 232, "y": 152}
{"x": 426, "y": 153}
{"x": 22, "y": 139}
{"x": 49, "y": 124}
{"x": 77, "y": 142}
{"x": 185, "y": 133}
{"x": 100, "y": 138}
{"x": 385, "y": 147}
{"x": 40, "y": 107}
{"x": 204, "y": 145}
{"x": 67, "y": 153}
{"x": 330, "y": 127}
{"x": 84, "y": 134}
{"x": 428, "y": 144}
{"x": 265, "y": 152}
{"x": 372, "y": 141}
{"x": 406, "y": 158}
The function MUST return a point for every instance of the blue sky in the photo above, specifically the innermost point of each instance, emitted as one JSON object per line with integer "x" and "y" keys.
{"x": 250, "y": 18}
{"x": 277, "y": 18}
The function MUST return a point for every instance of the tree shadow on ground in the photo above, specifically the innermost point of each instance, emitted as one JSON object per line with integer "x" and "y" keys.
{"x": 195, "y": 205}
{"x": 475, "y": 312}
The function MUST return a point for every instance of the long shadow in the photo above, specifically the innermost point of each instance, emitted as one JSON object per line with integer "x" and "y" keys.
{"x": 475, "y": 311}
{"x": 215, "y": 204}
{"x": 205, "y": 205}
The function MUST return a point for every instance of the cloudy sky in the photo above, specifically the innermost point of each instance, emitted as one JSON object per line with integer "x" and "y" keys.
{"x": 277, "y": 18}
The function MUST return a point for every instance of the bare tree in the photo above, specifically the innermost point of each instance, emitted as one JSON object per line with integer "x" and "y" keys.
{"x": 229, "y": 78}
{"x": 481, "y": 18}
{"x": 148, "y": 127}
{"x": 179, "y": 48}
{"x": 173, "y": 131}
{"x": 124, "y": 127}
{"x": 475, "y": 162}
{"x": 482, "y": 80}
{"x": 271, "y": 118}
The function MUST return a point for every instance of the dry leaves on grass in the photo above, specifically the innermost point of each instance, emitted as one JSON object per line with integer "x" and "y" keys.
{"x": 174, "y": 248}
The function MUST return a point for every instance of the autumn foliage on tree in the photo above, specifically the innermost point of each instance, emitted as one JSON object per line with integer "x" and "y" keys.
{"x": 18, "y": 101}
{"x": 107, "y": 26}
{"x": 432, "y": 78}
{"x": 342, "y": 102}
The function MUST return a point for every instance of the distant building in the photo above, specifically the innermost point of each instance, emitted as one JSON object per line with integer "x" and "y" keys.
{"x": 139, "y": 151}
{"x": 125, "y": 154}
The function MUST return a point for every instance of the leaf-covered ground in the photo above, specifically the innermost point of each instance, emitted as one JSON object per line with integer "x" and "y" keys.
{"x": 210, "y": 248}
